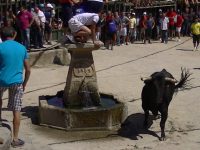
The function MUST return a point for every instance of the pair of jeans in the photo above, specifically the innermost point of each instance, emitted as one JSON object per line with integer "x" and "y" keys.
{"x": 186, "y": 28}
{"x": 118, "y": 37}
{"x": 37, "y": 37}
{"x": 164, "y": 36}
{"x": 25, "y": 37}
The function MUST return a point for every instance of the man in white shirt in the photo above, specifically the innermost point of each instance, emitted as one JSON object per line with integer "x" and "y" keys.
{"x": 164, "y": 28}
{"x": 83, "y": 26}
{"x": 42, "y": 18}
{"x": 132, "y": 28}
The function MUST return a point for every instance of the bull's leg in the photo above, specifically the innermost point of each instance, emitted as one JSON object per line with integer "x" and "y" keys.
{"x": 164, "y": 115}
{"x": 146, "y": 113}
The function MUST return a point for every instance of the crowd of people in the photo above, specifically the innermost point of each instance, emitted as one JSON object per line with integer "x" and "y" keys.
{"x": 33, "y": 25}
{"x": 126, "y": 28}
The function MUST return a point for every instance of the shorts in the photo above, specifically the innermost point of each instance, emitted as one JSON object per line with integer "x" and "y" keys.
{"x": 195, "y": 38}
{"x": 111, "y": 35}
{"x": 178, "y": 29}
{"x": 123, "y": 32}
{"x": 74, "y": 25}
{"x": 15, "y": 93}
{"x": 47, "y": 28}
{"x": 171, "y": 27}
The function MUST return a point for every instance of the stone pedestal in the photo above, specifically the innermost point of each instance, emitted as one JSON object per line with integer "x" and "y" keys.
{"x": 81, "y": 86}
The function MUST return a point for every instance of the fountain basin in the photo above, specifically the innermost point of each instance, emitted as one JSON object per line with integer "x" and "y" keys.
{"x": 108, "y": 116}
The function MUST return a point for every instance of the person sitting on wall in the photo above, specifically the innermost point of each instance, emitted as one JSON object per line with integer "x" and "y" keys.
{"x": 83, "y": 26}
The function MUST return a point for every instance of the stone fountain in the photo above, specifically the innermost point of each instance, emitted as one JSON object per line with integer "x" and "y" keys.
{"x": 80, "y": 106}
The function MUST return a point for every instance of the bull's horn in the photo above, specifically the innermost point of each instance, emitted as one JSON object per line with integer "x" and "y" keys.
{"x": 171, "y": 80}
{"x": 146, "y": 78}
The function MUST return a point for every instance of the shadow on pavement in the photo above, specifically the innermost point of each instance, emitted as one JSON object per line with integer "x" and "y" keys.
{"x": 5, "y": 124}
{"x": 182, "y": 49}
{"x": 32, "y": 113}
{"x": 132, "y": 127}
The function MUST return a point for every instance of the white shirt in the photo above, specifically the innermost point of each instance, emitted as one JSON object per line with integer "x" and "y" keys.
{"x": 41, "y": 15}
{"x": 164, "y": 23}
{"x": 87, "y": 18}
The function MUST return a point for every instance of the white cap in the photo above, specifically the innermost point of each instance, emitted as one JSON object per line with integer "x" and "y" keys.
{"x": 144, "y": 13}
{"x": 133, "y": 13}
{"x": 160, "y": 10}
{"x": 49, "y": 5}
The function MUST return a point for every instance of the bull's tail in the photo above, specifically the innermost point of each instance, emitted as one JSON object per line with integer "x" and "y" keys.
{"x": 185, "y": 78}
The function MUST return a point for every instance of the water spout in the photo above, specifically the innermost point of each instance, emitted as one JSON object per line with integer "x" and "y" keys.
{"x": 85, "y": 94}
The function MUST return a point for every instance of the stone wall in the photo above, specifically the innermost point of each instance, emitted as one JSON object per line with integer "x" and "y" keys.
{"x": 45, "y": 58}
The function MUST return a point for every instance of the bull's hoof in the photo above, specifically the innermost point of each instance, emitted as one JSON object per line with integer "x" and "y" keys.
{"x": 157, "y": 117}
{"x": 163, "y": 138}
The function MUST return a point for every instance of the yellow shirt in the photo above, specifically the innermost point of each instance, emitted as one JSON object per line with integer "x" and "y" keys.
{"x": 195, "y": 28}
{"x": 132, "y": 22}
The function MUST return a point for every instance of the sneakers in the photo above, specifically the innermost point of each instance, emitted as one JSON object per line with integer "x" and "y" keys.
{"x": 18, "y": 143}
{"x": 49, "y": 43}
{"x": 195, "y": 48}
{"x": 111, "y": 46}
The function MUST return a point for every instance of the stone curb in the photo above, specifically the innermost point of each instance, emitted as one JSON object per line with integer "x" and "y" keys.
{"x": 5, "y": 137}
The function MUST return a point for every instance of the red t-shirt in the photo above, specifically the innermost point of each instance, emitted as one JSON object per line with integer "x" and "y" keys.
{"x": 171, "y": 15}
{"x": 24, "y": 18}
{"x": 179, "y": 21}
{"x": 143, "y": 22}
{"x": 64, "y": 1}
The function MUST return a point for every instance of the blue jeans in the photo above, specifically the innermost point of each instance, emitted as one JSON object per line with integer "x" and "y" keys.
{"x": 118, "y": 37}
{"x": 25, "y": 37}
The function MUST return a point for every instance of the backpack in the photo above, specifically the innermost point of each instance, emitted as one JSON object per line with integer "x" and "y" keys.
{"x": 112, "y": 27}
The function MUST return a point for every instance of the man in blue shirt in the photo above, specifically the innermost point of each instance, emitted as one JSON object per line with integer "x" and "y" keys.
{"x": 13, "y": 60}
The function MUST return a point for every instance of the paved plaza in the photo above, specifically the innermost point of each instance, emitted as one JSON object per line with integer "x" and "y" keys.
{"x": 119, "y": 72}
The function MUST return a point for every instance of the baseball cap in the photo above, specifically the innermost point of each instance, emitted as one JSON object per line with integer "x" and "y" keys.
{"x": 49, "y": 5}
{"x": 41, "y": 5}
{"x": 144, "y": 13}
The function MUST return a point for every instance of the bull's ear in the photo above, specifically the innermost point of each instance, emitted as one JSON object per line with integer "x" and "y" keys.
{"x": 147, "y": 81}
